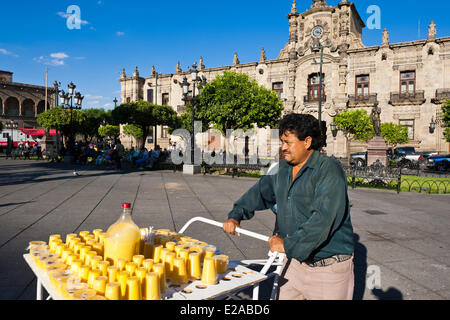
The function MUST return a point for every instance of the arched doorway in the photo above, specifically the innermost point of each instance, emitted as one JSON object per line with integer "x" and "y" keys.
{"x": 41, "y": 107}
{"x": 28, "y": 108}
{"x": 12, "y": 107}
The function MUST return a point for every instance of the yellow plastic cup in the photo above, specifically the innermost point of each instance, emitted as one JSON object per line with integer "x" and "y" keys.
{"x": 113, "y": 272}
{"x": 169, "y": 263}
{"x": 141, "y": 273}
{"x": 194, "y": 268}
{"x": 171, "y": 245}
{"x": 183, "y": 253}
{"x": 83, "y": 234}
{"x": 70, "y": 259}
{"x": 101, "y": 238}
{"x": 221, "y": 262}
{"x": 148, "y": 264}
{"x": 160, "y": 269}
{"x": 91, "y": 243}
{"x": 112, "y": 291}
{"x": 83, "y": 251}
{"x": 92, "y": 275}
{"x": 157, "y": 253}
{"x": 71, "y": 286}
{"x": 164, "y": 251}
{"x": 72, "y": 242}
{"x": 66, "y": 252}
{"x": 77, "y": 247}
{"x": 138, "y": 260}
{"x": 76, "y": 265}
{"x": 133, "y": 288}
{"x": 96, "y": 233}
{"x": 131, "y": 268}
{"x": 97, "y": 297}
{"x": 122, "y": 278}
{"x": 95, "y": 261}
{"x": 88, "y": 257}
{"x": 209, "y": 274}
{"x": 70, "y": 236}
{"x": 99, "y": 248}
{"x": 179, "y": 275}
{"x": 103, "y": 267}
{"x": 121, "y": 263}
{"x": 209, "y": 251}
{"x": 83, "y": 273}
{"x": 152, "y": 286}
{"x": 99, "y": 285}
{"x": 89, "y": 237}
{"x": 53, "y": 244}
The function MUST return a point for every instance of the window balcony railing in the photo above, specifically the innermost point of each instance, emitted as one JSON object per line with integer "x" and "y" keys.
{"x": 356, "y": 101}
{"x": 407, "y": 98}
{"x": 311, "y": 99}
{"x": 441, "y": 96}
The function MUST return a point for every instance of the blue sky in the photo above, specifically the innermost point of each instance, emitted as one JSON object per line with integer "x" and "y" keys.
{"x": 122, "y": 34}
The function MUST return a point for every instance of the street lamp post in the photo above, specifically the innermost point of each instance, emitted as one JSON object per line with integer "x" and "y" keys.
{"x": 155, "y": 128}
{"x": 318, "y": 47}
{"x": 67, "y": 103}
{"x": 193, "y": 100}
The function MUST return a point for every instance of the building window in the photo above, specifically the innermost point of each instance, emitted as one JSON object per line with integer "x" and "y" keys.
{"x": 165, "y": 99}
{"x": 150, "y": 95}
{"x": 128, "y": 99}
{"x": 362, "y": 86}
{"x": 165, "y": 132}
{"x": 407, "y": 82}
{"x": 278, "y": 88}
{"x": 314, "y": 86}
{"x": 409, "y": 124}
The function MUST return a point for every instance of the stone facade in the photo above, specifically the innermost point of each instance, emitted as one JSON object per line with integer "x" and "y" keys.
{"x": 21, "y": 102}
{"x": 409, "y": 81}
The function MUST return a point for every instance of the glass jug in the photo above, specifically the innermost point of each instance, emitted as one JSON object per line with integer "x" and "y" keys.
{"x": 122, "y": 238}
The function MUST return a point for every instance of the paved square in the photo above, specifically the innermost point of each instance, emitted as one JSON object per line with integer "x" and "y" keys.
{"x": 406, "y": 236}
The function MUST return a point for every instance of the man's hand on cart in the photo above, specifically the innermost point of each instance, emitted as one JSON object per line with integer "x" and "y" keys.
{"x": 276, "y": 244}
{"x": 230, "y": 226}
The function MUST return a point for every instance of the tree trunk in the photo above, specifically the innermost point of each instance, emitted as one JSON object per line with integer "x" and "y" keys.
{"x": 144, "y": 137}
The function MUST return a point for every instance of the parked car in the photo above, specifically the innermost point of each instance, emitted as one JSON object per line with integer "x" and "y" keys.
{"x": 439, "y": 163}
{"x": 427, "y": 154}
{"x": 404, "y": 156}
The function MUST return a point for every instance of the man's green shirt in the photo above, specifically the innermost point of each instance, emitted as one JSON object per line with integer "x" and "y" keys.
{"x": 313, "y": 210}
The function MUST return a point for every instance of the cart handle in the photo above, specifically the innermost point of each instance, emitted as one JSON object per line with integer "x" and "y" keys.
{"x": 220, "y": 225}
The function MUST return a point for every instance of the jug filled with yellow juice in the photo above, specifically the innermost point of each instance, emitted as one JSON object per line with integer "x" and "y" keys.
{"x": 122, "y": 239}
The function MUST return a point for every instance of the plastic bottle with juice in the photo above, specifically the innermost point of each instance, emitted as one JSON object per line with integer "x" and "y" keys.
{"x": 122, "y": 239}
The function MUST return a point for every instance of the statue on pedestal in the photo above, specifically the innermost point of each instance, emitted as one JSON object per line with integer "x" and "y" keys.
{"x": 375, "y": 118}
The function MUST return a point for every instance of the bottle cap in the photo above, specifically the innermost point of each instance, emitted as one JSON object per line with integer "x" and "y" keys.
{"x": 126, "y": 205}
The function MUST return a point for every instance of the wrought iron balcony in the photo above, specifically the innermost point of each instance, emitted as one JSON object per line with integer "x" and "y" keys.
{"x": 407, "y": 98}
{"x": 441, "y": 96}
{"x": 311, "y": 99}
{"x": 357, "y": 101}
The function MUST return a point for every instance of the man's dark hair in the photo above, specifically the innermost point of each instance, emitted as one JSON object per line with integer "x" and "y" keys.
{"x": 303, "y": 126}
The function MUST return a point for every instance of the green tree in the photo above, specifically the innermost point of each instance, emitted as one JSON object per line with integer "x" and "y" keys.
{"x": 394, "y": 134}
{"x": 356, "y": 125}
{"x": 446, "y": 119}
{"x": 94, "y": 118}
{"x": 235, "y": 101}
{"x": 109, "y": 131}
{"x": 144, "y": 115}
{"x": 136, "y": 132}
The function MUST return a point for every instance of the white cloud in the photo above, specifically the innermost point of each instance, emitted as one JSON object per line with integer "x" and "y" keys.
{"x": 120, "y": 33}
{"x": 107, "y": 105}
{"x": 90, "y": 96}
{"x": 56, "y": 59}
{"x": 59, "y": 55}
{"x": 8, "y": 53}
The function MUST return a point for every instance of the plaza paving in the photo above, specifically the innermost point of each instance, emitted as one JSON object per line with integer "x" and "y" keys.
{"x": 406, "y": 236}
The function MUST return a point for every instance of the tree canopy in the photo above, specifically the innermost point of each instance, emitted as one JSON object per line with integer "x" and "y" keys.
{"x": 356, "y": 124}
{"x": 144, "y": 115}
{"x": 394, "y": 134}
{"x": 59, "y": 118}
{"x": 235, "y": 101}
{"x": 109, "y": 131}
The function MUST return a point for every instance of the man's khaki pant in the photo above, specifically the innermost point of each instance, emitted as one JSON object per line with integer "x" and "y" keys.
{"x": 298, "y": 281}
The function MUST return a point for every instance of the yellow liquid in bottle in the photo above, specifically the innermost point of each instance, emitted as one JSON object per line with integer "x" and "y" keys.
{"x": 122, "y": 240}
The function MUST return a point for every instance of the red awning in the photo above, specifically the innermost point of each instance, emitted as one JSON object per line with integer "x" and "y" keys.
{"x": 38, "y": 132}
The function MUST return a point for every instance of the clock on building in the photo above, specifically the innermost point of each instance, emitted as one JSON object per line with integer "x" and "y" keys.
{"x": 317, "y": 32}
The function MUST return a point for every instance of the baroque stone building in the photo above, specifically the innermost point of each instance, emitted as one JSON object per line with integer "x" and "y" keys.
{"x": 409, "y": 81}
{"x": 21, "y": 102}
